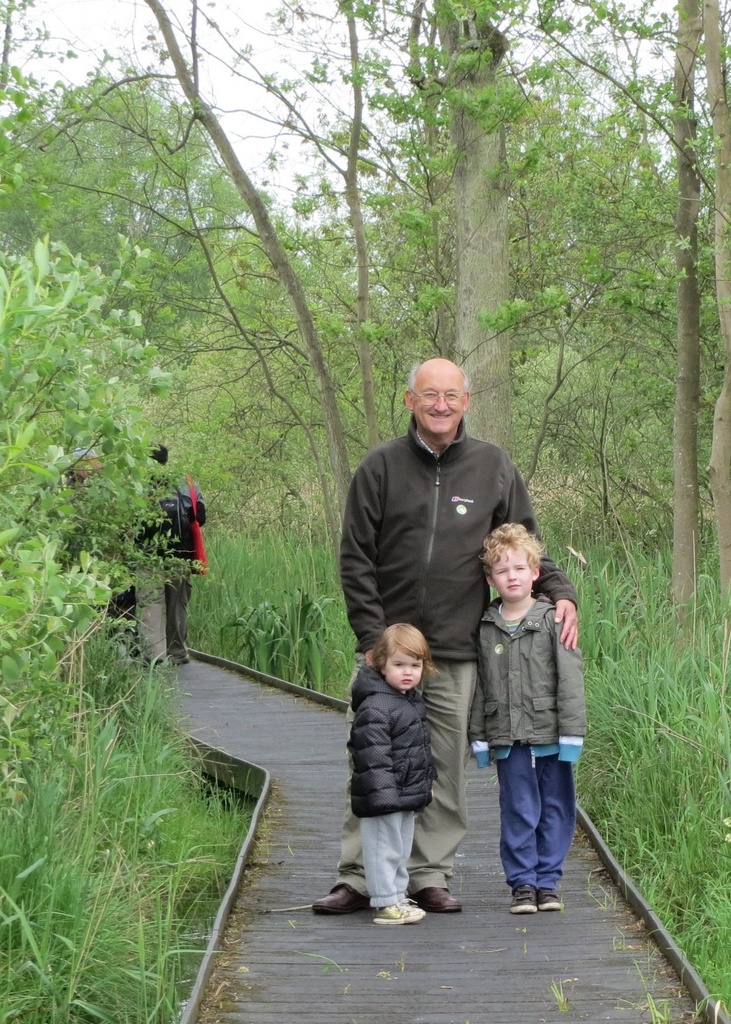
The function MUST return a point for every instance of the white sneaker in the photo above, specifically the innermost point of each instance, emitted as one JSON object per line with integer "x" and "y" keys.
{"x": 405, "y": 912}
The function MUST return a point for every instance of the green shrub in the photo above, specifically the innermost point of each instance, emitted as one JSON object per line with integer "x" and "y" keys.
{"x": 73, "y": 371}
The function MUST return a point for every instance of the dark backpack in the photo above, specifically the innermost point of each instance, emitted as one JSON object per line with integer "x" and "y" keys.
{"x": 175, "y": 527}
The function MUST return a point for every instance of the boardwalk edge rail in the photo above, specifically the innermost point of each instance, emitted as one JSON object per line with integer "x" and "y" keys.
{"x": 256, "y": 783}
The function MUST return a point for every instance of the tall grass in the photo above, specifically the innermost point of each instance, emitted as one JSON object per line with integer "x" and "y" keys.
{"x": 655, "y": 775}
{"x": 112, "y": 853}
{"x": 276, "y": 607}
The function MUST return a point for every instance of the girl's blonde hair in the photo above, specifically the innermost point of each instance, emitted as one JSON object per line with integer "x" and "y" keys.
{"x": 507, "y": 537}
{"x": 401, "y": 637}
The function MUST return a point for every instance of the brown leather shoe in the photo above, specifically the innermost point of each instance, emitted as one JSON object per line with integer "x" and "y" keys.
{"x": 342, "y": 899}
{"x": 436, "y": 901}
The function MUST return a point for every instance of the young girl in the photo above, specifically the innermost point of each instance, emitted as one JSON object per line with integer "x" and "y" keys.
{"x": 393, "y": 768}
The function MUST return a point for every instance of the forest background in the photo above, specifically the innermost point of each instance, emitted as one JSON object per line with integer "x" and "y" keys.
{"x": 243, "y": 260}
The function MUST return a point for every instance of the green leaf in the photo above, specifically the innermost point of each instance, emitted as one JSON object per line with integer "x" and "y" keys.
{"x": 11, "y": 670}
{"x": 42, "y": 258}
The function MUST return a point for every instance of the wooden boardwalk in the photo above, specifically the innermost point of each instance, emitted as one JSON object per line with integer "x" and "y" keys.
{"x": 282, "y": 964}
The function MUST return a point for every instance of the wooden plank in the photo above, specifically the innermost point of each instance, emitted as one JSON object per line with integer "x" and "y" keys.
{"x": 282, "y": 963}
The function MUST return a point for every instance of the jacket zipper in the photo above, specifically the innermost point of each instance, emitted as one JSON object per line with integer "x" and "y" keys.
{"x": 432, "y": 535}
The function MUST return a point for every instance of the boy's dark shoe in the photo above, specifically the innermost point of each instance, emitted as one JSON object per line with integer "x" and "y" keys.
{"x": 549, "y": 899}
{"x": 342, "y": 899}
{"x": 524, "y": 900}
{"x": 436, "y": 901}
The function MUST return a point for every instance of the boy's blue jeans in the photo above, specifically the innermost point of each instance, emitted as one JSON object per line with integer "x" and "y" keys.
{"x": 537, "y": 816}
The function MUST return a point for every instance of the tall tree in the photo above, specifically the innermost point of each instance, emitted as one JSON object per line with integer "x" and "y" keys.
{"x": 685, "y": 435}
{"x": 474, "y": 48}
{"x": 355, "y": 206}
{"x": 719, "y": 468}
{"x": 187, "y": 75}
{"x": 677, "y": 124}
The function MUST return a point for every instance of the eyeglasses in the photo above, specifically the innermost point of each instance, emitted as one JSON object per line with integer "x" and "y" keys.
{"x": 452, "y": 398}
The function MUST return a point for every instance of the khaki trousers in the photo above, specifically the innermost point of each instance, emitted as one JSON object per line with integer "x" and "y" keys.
{"x": 177, "y": 596}
{"x": 151, "y": 621}
{"x": 441, "y": 826}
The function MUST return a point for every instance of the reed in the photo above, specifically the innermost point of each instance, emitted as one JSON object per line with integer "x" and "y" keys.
{"x": 655, "y": 774}
{"x": 276, "y": 607}
{"x": 105, "y": 863}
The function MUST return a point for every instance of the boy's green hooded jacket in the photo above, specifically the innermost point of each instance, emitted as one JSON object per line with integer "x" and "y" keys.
{"x": 530, "y": 689}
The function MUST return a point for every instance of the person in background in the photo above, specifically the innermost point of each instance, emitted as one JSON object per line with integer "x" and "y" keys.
{"x": 162, "y": 599}
{"x": 86, "y": 464}
{"x": 417, "y": 512}
{"x": 178, "y": 585}
{"x": 393, "y": 768}
{"x": 529, "y": 712}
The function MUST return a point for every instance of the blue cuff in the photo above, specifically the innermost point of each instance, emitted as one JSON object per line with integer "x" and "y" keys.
{"x": 569, "y": 751}
{"x": 481, "y": 751}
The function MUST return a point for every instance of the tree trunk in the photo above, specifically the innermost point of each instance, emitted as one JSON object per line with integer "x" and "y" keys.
{"x": 338, "y": 456}
{"x": 424, "y": 69}
{"x": 685, "y": 439}
{"x": 7, "y": 44}
{"x": 719, "y": 468}
{"x": 476, "y": 48}
{"x": 356, "y": 220}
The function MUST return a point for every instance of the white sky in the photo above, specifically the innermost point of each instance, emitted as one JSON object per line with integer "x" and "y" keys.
{"x": 89, "y": 27}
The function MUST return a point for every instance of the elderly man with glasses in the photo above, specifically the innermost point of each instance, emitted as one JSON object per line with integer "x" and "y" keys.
{"x": 418, "y": 510}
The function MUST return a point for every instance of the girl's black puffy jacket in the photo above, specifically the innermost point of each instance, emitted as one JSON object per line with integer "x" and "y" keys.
{"x": 393, "y": 768}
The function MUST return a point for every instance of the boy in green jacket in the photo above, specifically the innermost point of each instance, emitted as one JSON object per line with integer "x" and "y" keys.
{"x": 529, "y": 712}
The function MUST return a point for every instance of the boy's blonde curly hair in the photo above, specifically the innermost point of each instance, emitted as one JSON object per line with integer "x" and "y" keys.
{"x": 508, "y": 537}
{"x": 401, "y": 637}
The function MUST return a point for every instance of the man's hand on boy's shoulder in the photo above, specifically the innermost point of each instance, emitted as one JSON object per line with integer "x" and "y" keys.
{"x": 567, "y": 616}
